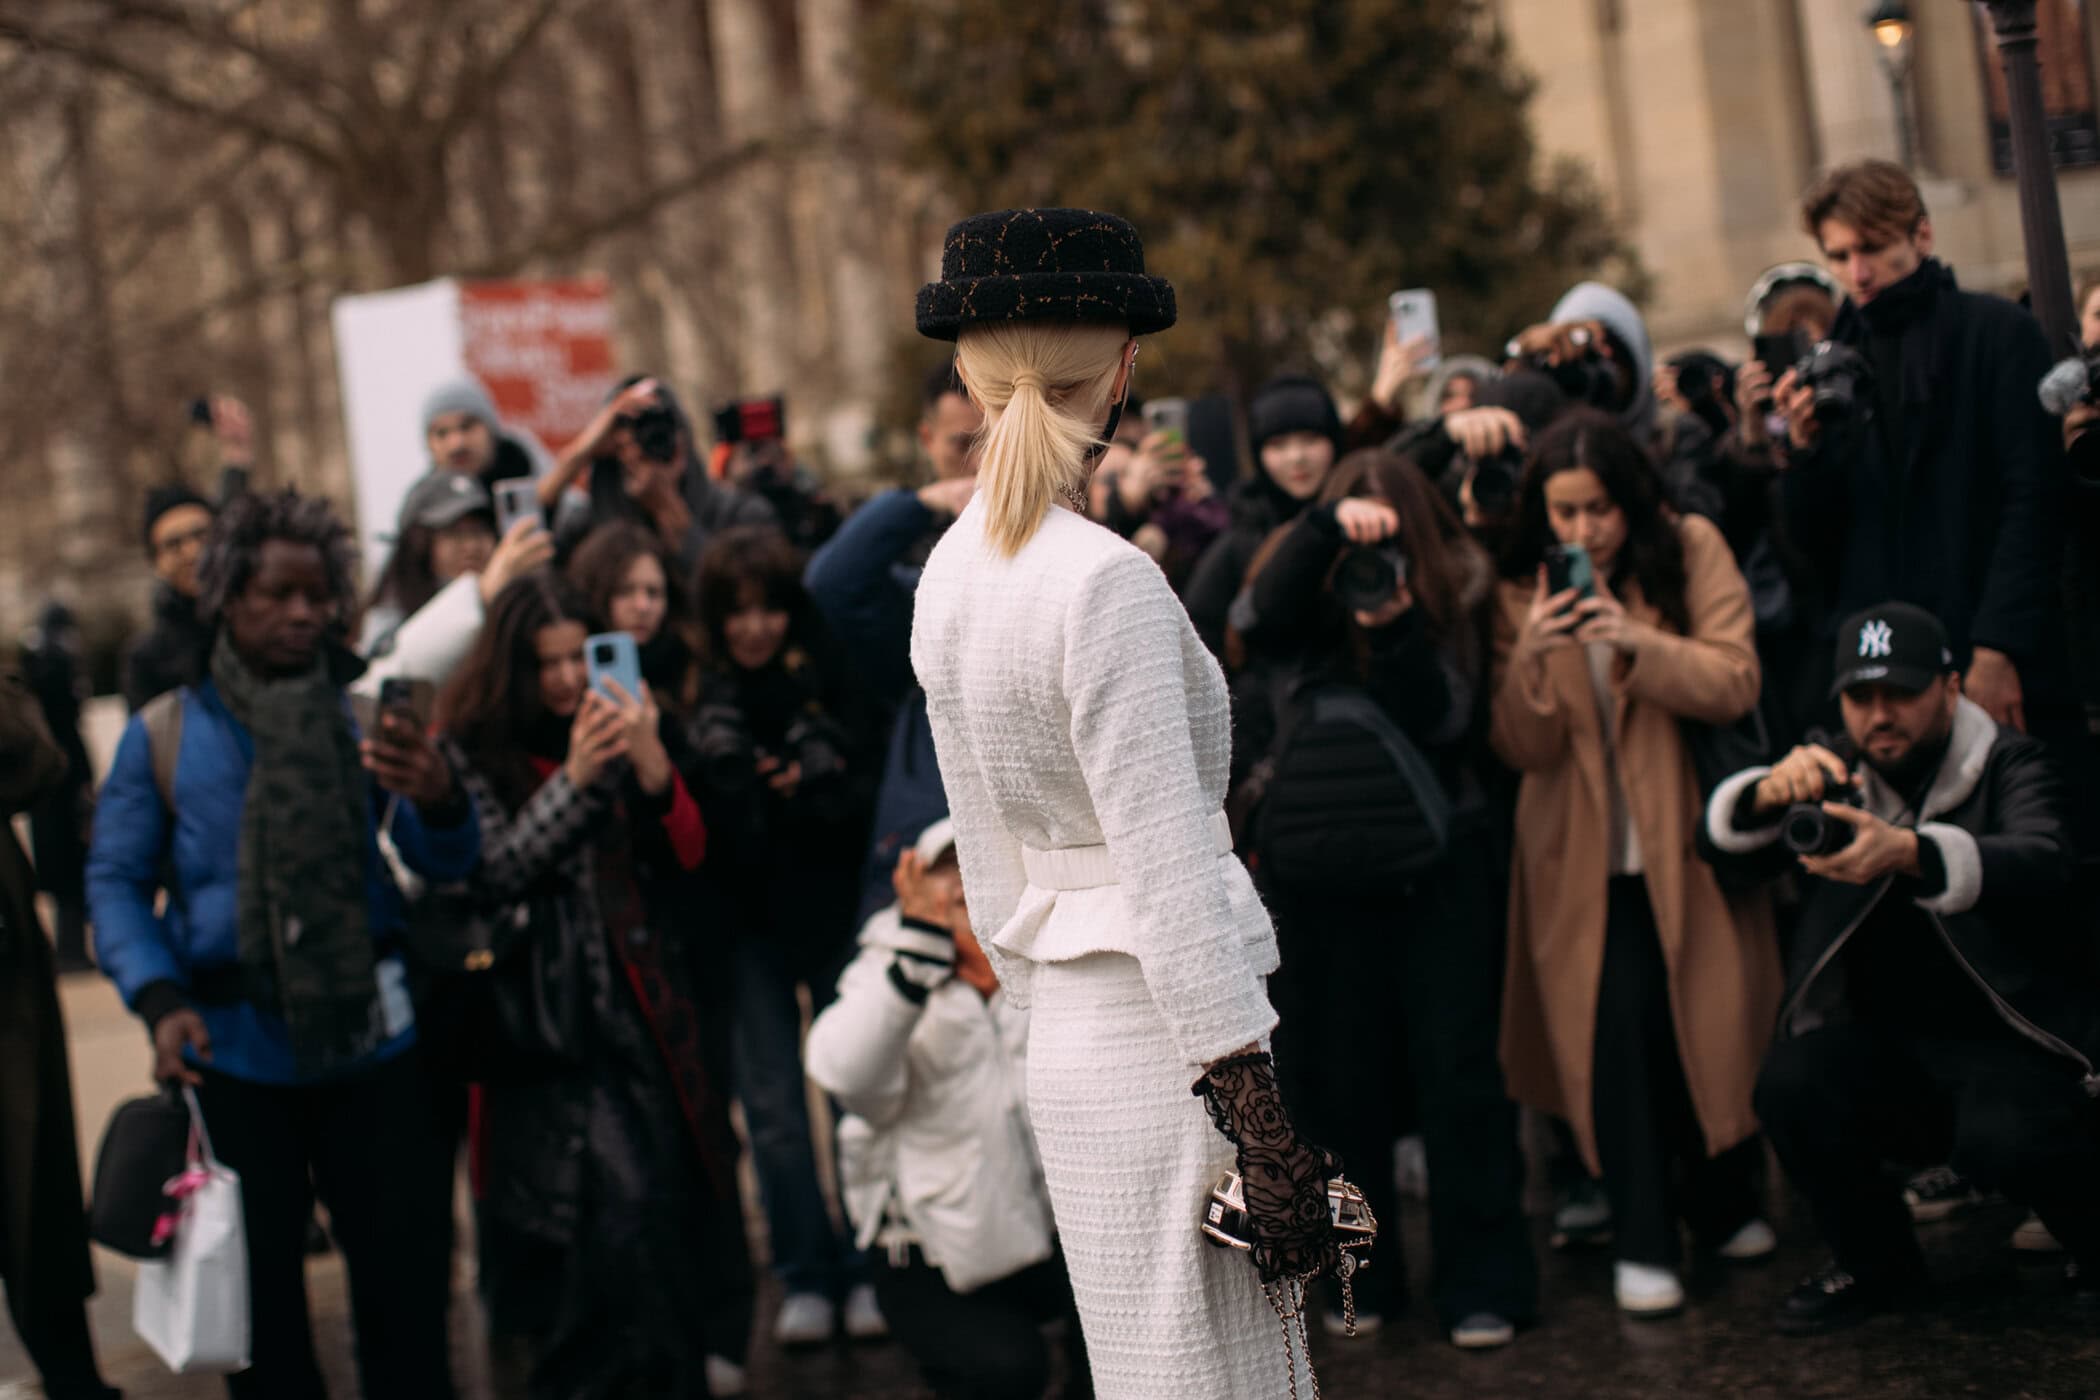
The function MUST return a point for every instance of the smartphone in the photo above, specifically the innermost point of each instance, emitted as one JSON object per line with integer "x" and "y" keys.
{"x": 516, "y": 500}
{"x": 1168, "y": 416}
{"x": 612, "y": 656}
{"x": 398, "y": 695}
{"x": 1414, "y": 314}
{"x": 1780, "y": 353}
{"x": 1568, "y": 566}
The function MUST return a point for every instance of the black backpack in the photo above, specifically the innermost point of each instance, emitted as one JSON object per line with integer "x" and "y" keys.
{"x": 1348, "y": 802}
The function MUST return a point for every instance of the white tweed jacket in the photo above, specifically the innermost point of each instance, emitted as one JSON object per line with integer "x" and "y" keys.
{"x": 1073, "y": 706}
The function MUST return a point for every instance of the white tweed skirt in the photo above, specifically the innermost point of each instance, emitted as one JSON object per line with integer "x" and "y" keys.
{"x": 1130, "y": 1156}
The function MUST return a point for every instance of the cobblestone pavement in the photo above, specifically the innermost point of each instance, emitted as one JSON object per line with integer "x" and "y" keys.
{"x": 1999, "y": 1329}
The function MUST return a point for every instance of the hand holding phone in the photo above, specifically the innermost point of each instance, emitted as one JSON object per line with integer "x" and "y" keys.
{"x": 1568, "y": 567}
{"x": 1414, "y": 315}
{"x": 1168, "y": 416}
{"x": 613, "y": 656}
{"x": 516, "y": 500}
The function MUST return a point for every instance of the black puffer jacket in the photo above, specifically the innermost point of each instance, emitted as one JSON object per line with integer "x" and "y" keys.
{"x": 1999, "y": 891}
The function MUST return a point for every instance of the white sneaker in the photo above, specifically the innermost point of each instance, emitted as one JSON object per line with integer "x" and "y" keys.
{"x": 1483, "y": 1331}
{"x": 1367, "y": 1324}
{"x": 864, "y": 1320}
{"x": 2033, "y": 1237}
{"x": 726, "y": 1378}
{"x": 1755, "y": 1241}
{"x": 806, "y": 1320}
{"x": 1646, "y": 1291}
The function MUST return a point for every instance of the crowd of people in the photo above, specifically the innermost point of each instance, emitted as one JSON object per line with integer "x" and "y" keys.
{"x": 1691, "y": 753}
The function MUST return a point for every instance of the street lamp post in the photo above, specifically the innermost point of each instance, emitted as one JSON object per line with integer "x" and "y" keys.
{"x": 2041, "y": 216}
{"x": 1891, "y": 26}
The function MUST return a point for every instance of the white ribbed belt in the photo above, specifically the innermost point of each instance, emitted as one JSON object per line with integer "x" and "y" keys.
{"x": 1091, "y": 867}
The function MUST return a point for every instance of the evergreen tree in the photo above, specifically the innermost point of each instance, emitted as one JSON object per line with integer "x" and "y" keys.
{"x": 1289, "y": 162}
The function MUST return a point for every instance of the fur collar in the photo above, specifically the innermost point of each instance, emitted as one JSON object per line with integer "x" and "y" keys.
{"x": 1968, "y": 752}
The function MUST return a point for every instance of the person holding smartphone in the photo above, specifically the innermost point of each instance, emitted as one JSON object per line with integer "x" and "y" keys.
{"x": 610, "y": 1234}
{"x": 1157, "y": 492}
{"x": 447, "y": 566}
{"x": 1639, "y": 996}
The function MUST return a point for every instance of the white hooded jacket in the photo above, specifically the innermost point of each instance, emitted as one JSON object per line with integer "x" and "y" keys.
{"x": 939, "y": 1116}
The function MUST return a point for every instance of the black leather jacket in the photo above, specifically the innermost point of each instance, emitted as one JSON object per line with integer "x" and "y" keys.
{"x": 2005, "y": 903}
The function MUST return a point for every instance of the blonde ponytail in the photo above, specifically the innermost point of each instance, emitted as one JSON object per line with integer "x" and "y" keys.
{"x": 1044, "y": 388}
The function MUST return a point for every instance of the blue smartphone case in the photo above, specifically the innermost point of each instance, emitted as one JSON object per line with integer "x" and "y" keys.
{"x": 613, "y": 655}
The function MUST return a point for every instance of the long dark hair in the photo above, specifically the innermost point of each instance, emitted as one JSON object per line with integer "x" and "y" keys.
{"x": 491, "y": 707}
{"x": 407, "y": 581}
{"x": 1653, "y": 555}
{"x": 742, "y": 562}
{"x": 599, "y": 570}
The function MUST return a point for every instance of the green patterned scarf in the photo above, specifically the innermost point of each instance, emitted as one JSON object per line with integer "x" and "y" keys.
{"x": 305, "y": 936}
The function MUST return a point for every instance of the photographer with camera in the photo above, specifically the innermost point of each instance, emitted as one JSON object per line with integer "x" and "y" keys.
{"x": 751, "y": 455}
{"x": 636, "y": 461}
{"x": 1595, "y": 347}
{"x": 937, "y": 1162}
{"x": 786, "y": 771}
{"x": 1365, "y": 618}
{"x": 1639, "y": 992}
{"x": 1922, "y": 466}
{"x": 1940, "y": 1006}
{"x": 1296, "y": 433}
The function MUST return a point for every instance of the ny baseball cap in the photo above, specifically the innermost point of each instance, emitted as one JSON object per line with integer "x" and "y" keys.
{"x": 1895, "y": 644}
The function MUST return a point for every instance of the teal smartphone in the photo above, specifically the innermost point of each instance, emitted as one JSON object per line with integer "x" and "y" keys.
{"x": 612, "y": 656}
{"x": 1568, "y": 566}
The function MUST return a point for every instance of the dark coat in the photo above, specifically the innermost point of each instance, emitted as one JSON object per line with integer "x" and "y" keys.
{"x": 58, "y": 824}
{"x": 170, "y": 654}
{"x": 43, "y": 1225}
{"x": 2007, "y": 908}
{"x": 1958, "y": 507}
{"x": 1258, "y": 509}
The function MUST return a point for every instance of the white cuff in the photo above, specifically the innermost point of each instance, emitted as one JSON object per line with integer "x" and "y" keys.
{"x": 1720, "y": 816}
{"x": 1964, "y": 865}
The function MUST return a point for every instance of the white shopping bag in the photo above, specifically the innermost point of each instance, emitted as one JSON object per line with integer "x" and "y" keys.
{"x": 192, "y": 1307}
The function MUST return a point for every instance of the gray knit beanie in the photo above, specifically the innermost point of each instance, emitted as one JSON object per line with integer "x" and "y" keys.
{"x": 461, "y": 396}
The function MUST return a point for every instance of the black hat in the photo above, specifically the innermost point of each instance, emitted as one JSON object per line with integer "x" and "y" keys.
{"x": 162, "y": 499}
{"x": 1293, "y": 404}
{"x": 1533, "y": 395}
{"x": 441, "y": 498}
{"x": 1893, "y": 644}
{"x": 1044, "y": 265}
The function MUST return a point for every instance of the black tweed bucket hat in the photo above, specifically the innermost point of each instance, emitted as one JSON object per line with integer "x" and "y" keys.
{"x": 1044, "y": 265}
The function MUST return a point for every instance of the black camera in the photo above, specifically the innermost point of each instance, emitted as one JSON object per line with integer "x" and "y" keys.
{"x": 655, "y": 431}
{"x": 2071, "y": 385}
{"x": 1587, "y": 379}
{"x": 1810, "y": 831}
{"x": 1495, "y": 481}
{"x": 1369, "y": 575}
{"x": 1838, "y": 374}
{"x": 722, "y": 742}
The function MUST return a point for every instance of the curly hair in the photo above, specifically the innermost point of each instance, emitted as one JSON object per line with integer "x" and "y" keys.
{"x": 234, "y": 548}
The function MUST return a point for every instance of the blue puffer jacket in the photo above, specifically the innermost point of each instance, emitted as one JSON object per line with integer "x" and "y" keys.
{"x": 135, "y": 843}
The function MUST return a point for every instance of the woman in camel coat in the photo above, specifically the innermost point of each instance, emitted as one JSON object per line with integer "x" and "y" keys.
{"x": 1639, "y": 997}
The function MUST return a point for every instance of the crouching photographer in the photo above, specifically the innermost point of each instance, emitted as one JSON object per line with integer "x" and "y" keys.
{"x": 1370, "y": 832}
{"x": 937, "y": 1161}
{"x": 1938, "y": 1008}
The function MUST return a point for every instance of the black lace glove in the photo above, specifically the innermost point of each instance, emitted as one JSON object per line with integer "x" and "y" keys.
{"x": 1283, "y": 1177}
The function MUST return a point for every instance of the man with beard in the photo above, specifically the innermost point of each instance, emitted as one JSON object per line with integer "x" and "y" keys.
{"x": 1940, "y": 1006}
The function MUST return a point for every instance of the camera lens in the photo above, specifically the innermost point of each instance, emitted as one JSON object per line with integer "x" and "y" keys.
{"x": 605, "y": 653}
{"x": 1805, "y": 830}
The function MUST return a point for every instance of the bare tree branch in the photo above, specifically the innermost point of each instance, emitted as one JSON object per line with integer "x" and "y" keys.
{"x": 558, "y": 243}
{"x": 477, "y": 87}
{"x": 153, "y": 86}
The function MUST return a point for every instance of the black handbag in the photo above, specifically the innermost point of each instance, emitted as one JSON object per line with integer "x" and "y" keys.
{"x": 1719, "y": 752}
{"x": 502, "y": 995}
{"x": 145, "y": 1146}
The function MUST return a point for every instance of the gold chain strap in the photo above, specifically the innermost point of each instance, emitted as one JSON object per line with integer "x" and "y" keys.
{"x": 1288, "y": 1298}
